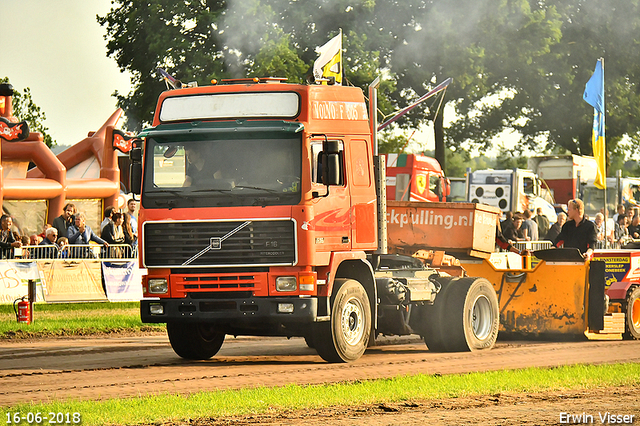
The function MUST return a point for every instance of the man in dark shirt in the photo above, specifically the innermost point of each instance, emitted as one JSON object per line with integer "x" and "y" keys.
{"x": 578, "y": 231}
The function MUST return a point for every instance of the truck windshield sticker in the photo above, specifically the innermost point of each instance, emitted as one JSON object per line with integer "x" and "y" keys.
{"x": 236, "y": 105}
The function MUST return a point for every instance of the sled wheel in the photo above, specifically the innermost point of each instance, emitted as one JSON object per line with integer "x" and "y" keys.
{"x": 194, "y": 340}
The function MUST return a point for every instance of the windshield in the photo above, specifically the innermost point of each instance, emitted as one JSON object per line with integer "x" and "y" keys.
{"x": 218, "y": 171}
{"x": 593, "y": 199}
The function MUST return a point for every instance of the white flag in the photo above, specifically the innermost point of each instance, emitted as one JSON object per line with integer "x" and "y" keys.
{"x": 329, "y": 63}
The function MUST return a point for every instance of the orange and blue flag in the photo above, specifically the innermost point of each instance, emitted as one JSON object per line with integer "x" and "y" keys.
{"x": 594, "y": 96}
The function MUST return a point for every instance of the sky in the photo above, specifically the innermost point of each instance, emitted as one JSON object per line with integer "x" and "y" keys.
{"x": 57, "y": 49}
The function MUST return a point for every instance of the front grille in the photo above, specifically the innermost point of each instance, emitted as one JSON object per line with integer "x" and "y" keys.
{"x": 219, "y": 243}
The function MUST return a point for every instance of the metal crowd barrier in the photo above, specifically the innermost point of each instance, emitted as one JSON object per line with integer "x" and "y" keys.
{"x": 115, "y": 252}
{"x": 533, "y": 245}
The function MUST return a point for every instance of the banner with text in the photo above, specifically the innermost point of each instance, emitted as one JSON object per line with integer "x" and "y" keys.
{"x": 122, "y": 281}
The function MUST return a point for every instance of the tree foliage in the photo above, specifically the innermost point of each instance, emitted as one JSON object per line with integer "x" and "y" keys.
{"x": 516, "y": 64}
{"x": 25, "y": 109}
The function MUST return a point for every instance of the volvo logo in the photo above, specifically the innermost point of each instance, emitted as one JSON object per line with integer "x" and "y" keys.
{"x": 215, "y": 243}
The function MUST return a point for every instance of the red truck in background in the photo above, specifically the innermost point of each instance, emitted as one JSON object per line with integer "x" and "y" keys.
{"x": 414, "y": 177}
{"x": 564, "y": 174}
{"x": 263, "y": 212}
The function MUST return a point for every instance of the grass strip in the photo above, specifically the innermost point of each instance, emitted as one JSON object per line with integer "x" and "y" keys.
{"x": 175, "y": 408}
{"x": 75, "y": 319}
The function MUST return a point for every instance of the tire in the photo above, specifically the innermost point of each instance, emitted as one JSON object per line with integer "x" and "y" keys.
{"x": 632, "y": 315}
{"x": 195, "y": 341}
{"x": 464, "y": 316}
{"x": 431, "y": 329}
{"x": 309, "y": 341}
{"x": 345, "y": 337}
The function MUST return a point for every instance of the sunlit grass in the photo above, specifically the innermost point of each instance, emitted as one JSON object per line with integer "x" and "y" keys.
{"x": 69, "y": 319}
{"x": 171, "y": 407}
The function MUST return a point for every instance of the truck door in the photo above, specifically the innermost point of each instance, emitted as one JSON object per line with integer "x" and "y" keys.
{"x": 331, "y": 221}
{"x": 363, "y": 199}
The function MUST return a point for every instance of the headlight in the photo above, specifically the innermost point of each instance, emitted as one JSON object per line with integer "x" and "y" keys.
{"x": 158, "y": 285}
{"x": 286, "y": 284}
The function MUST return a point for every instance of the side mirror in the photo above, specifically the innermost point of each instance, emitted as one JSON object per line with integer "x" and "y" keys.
{"x": 331, "y": 166}
{"x": 135, "y": 177}
{"x": 135, "y": 170}
{"x": 135, "y": 155}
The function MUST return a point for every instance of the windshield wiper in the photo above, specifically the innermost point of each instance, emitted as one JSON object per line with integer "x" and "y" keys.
{"x": 270, "y": 191}
{"x": 166, "y": 192}
{"x": 211, "y": 190}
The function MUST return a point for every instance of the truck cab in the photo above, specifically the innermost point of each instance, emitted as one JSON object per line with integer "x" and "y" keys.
{"x": 262, "y": 214}
{"x": 414, "y": 177}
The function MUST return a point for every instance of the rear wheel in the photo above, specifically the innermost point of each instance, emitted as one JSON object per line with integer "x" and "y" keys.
{"x": 464, "y": 316}
{"x": 345, "y": 337}
{"x": 632, "y": 315}
{"x": 431, "y": 329}
{"x": 194, "y": 340}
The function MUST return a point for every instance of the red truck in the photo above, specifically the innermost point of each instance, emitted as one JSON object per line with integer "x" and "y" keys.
{"x": 414, "y": 177}
{"x": 263, "y": 213}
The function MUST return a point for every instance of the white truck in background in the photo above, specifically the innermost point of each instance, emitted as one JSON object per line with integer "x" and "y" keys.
{"x": 510, "y": 190}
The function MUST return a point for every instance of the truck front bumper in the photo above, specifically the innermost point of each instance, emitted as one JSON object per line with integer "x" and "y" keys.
{"x": 254, "y": 315}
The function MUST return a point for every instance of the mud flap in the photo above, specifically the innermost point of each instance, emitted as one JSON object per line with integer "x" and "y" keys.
{"x": 596, "y": 296}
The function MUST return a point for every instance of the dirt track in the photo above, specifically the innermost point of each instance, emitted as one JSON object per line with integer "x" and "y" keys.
{"x": 93, "y": 368}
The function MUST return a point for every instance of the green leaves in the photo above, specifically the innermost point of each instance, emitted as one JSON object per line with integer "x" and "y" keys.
{"x": 518, "y": 65}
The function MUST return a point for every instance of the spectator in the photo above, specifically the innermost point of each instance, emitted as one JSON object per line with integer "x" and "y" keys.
{"x": 65, "y": 220}
{"x": 7, "y": 238}
{"x": 130, "y": 236}
{"x": 621, "y": 233}
{"x": 43, "y": 234}
{"x": 34, "y": 240}
{"x": 508, "y": 221}
{"x": 24, "y": 252}
{"x": 63, "y": 246}
{"x": 555, "y": 229}
{"x": 133, "y": 218}
{"x": 578, "y": 232}
{"x": 543, "y": 223}
{"x": 629, "y": 213}
{"x": 48, "y": 248}
{"x": 599, "y": 222}
{"x": 634, "y": 228}
{"x": 529, "y": 227}
{"x": 504, "y": 244}
{"x": 81, "y": 233}
{"x": 511, "y": 233}
{"x": 108, "y": 217}
{"x": 620, "y": 211}
{"x": 112, "y": 232}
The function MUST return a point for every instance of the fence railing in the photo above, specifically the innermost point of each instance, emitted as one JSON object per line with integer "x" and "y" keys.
{"x": 532, "y": 245}
{"x": 115, "y": 252}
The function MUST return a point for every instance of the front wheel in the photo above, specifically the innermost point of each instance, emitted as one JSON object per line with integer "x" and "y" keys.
{"x": 195, "y": 341}
{"x": 345, "y": 337}
{"x": 632, "y": 314}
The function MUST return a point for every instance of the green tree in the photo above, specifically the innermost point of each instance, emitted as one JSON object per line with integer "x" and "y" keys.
{"x": 25, "y": 109}
{"x": 516, "y": 64}
{"x": 543, "y": 99}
